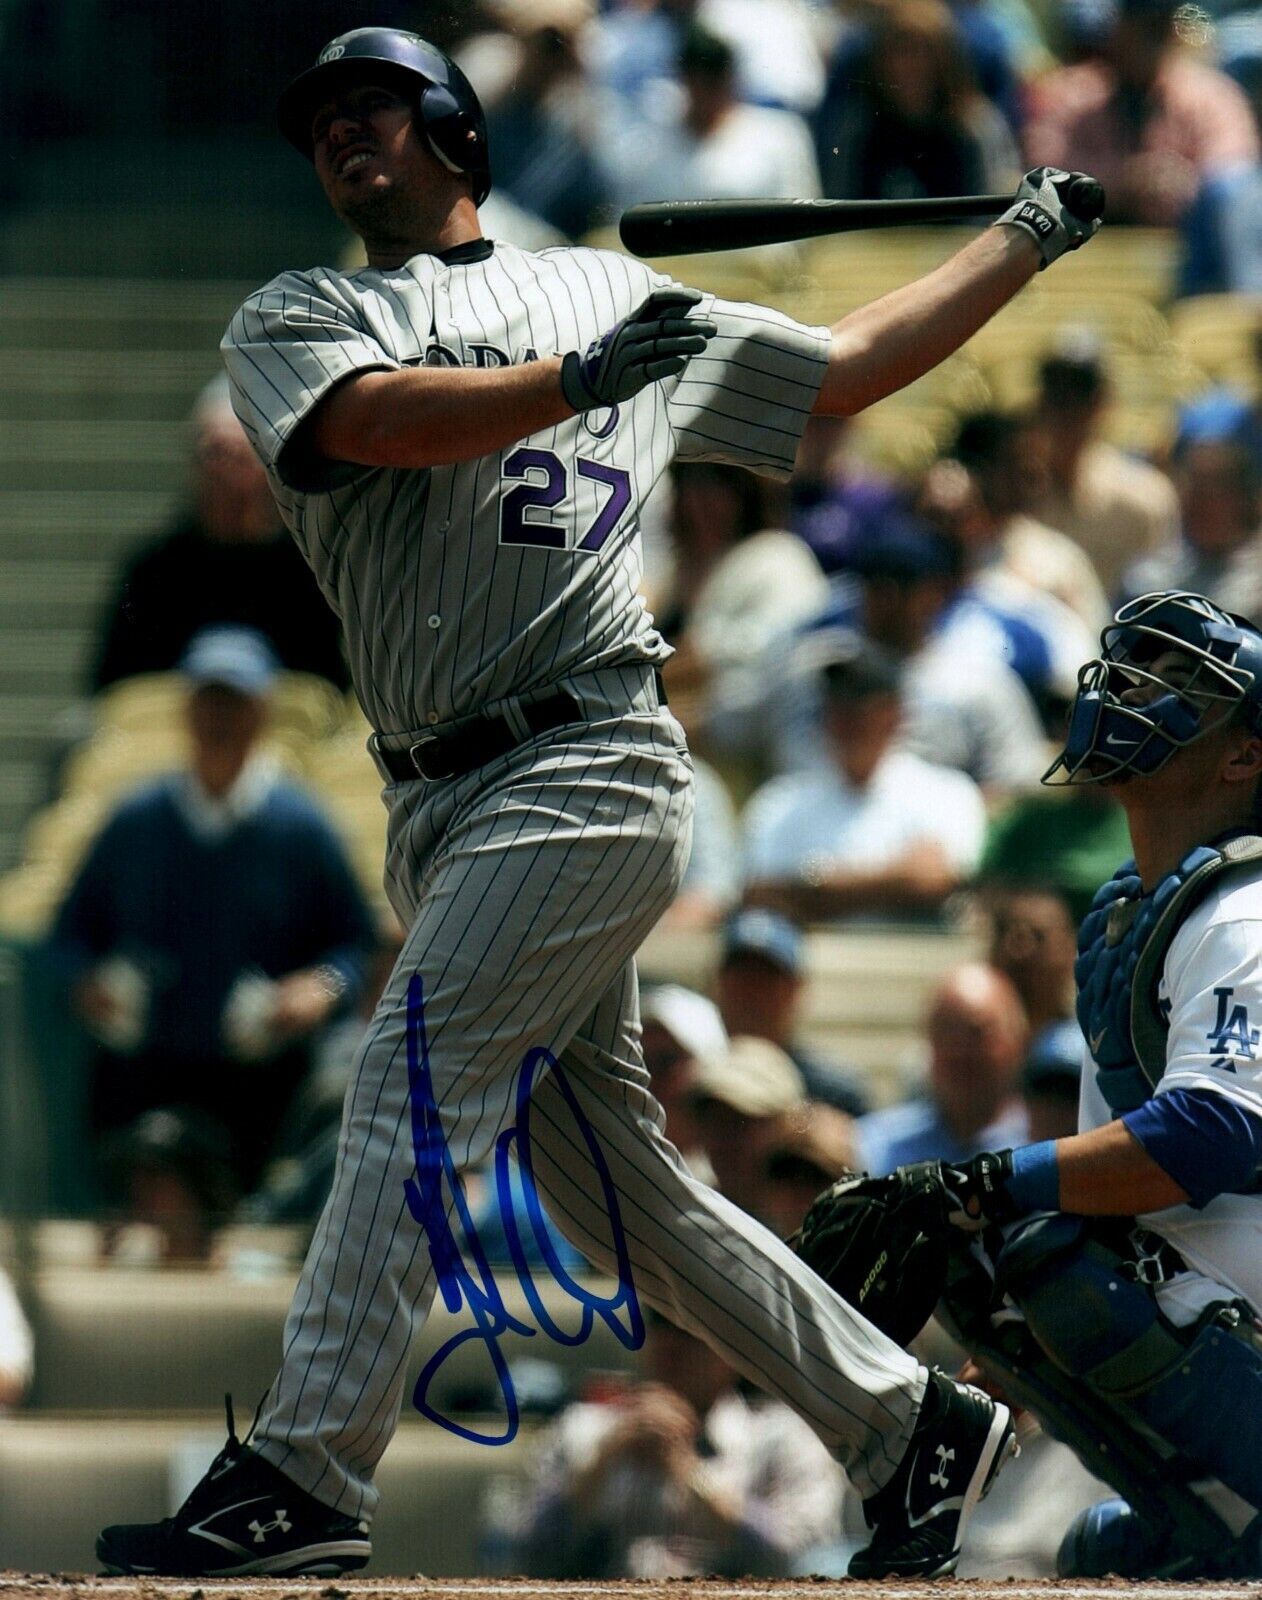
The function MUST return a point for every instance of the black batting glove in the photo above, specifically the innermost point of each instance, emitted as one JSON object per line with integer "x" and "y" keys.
{"x": 1059, "y": 210}
{"x": 977, "y": 1190}
{"x": 656, "y": 341}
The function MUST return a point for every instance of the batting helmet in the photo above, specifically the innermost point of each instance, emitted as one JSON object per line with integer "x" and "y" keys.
{"x": 1172, "y": 667}
{"x": 445, "y": 105}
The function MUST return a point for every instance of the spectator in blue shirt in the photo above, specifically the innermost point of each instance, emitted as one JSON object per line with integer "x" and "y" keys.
{"x": 977, "y": 1038}
{"x": 216, "y": 925}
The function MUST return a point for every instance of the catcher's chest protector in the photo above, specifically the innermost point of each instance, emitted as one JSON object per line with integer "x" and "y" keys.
{"x": 1122, "y": 948}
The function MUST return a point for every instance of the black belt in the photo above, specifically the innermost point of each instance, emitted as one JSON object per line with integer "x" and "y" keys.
{"x": 451, "y": 755}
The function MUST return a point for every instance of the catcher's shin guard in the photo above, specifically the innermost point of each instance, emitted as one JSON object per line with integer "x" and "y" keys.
{"x": 1164, "y": 1488}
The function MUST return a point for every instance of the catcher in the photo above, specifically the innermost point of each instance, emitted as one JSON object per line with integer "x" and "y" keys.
{"x": 1111, "y": 1282}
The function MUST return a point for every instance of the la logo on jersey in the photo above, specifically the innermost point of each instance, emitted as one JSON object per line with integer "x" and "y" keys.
{"x": 1231, "y": 1034}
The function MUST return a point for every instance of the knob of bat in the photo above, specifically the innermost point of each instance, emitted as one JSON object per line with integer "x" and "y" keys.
{"x": 1084, "y": 197}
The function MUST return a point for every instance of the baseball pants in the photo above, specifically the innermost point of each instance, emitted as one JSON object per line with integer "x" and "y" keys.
{"x": 527, "y": 887}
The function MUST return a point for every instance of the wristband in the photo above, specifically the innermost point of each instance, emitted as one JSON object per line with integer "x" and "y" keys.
{"x": 1035, "y": 1181}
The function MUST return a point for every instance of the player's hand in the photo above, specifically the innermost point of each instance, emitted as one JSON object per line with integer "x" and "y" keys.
{"x": 1059, "y": 210}
{"x": 301, "y": 1003}
{"x": 656, "y": 341}
{"x": 977, "y": 1191}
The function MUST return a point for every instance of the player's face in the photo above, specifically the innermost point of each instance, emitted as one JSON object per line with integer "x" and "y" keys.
{"x": 366, "y": 152}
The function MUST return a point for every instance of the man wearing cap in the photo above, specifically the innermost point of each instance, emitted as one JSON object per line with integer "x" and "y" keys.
{"x": 1218, "y": 553}
{"x": 871, "y": 830}
{"x": 761, "y": 980}
{"x": 215, "y": 924}
{"x": 738, "y": 1099}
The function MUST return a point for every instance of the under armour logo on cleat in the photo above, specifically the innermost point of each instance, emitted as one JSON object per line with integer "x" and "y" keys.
{"x": 940, "y": 1476}
{"x": 260, "y": 1530}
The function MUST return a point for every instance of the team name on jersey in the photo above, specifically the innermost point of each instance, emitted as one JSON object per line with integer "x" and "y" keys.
{"x": 477, "y": 354}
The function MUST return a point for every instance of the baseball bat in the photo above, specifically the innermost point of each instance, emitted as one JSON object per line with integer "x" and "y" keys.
{"x": 686, "y": 227}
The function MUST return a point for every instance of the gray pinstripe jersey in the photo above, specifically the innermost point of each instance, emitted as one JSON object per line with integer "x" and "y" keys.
{"x": 464, "y": 585}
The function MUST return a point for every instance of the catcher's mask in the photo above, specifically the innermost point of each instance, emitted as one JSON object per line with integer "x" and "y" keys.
{"x": 1172, "y": 667}
{"x": 448, "y": 111}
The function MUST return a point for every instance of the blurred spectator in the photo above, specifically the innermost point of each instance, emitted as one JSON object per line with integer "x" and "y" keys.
{"x": 998, "y": 530}
{"x": 1051, "y": 1080}
{"x": 761, "y": 983}
{"x": 1222, "y": 228}
{"x": 737, "y": 1099}
{"x": 963, "y": 710}
{"x": 542, "y": 125}
{"x": 977, "y": 1037}
{"x": 1023, "y": 582}
{"x": 17, "y": 1347}
{"x": 171, "y": 1171}
{"x": 682, "y": 1030}
{"x": 871, "y": 831}
{"x": 1115, "y": 507}
{"x": 215, "y": 925}
{"x": 812, "y": 1149}
{"x": 714, "y": 144}
{"x": 1073, "y": 838}
{"x": 1034, "y": 942}
{"x": 711, "y": 882}
{"x": 635, "y": 51}
{"x": 226, "y": 560}
{"x": 907, "y": 118}
{"x": 835, "y": 501}
{"x": 964, "y": 704}
{"x": 680, "y": 1476}
{"x": 1144, "y": 117}
{"x": 1219, "y": 551}
{"x": 737, "y": 585}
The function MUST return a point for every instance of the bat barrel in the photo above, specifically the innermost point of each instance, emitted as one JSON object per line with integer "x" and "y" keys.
{"x": 682, "y": 227}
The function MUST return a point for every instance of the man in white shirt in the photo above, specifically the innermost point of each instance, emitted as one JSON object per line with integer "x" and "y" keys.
{"x": 872, "y": 830}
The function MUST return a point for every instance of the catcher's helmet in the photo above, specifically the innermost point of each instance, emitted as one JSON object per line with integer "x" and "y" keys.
{"x": 446, "y": 106}
{"x": 1128, "y": 717}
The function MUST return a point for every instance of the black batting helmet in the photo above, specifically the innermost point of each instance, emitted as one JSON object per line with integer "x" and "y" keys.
{"x": 446, "y": 106}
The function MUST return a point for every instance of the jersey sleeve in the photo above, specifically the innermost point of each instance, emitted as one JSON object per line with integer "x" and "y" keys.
{"x": 1213, "y": 987}
{"x": 747, "y": 398}
{"x": 285, "y": 349}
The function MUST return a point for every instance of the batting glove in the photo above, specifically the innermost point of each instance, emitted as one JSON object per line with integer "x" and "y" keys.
{"x": 977, "y": 1190}
{"x": 654, "y": 342}
{"x": 1059, "y": 210}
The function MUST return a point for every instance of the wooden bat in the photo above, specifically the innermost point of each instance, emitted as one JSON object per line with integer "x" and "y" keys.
{"x": 686, "y": 227}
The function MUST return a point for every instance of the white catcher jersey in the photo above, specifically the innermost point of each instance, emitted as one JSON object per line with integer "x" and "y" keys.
{"x": 1212, "y": 987}
{"x": 461, "y": 586}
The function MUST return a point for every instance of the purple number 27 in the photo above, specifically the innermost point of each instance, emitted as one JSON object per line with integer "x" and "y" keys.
{"x": 546, "y": 489}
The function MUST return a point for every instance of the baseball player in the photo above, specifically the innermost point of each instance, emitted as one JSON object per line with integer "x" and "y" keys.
{"x": 459, "y": 437}
{"x": 1132, "y": 1249}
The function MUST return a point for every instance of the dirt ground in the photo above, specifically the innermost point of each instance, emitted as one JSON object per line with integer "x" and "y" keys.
{"x": 68, "y": 1586}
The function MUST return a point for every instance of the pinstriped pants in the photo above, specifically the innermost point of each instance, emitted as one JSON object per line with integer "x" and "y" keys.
{"x": 527, "y": 887}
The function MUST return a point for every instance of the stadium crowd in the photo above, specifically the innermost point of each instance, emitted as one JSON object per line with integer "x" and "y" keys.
{"x": 873, "y": 670}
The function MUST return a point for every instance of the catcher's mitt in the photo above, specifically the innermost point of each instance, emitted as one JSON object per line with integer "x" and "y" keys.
{"x": 882, "y": 1244}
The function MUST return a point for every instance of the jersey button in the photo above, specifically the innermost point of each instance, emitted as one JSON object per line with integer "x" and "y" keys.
{"x": 435, "y": 621}
{"x": 433, "y": 717}
{"x": 443, "y": 527}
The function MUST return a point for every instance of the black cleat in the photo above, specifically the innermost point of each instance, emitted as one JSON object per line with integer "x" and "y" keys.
{"x": 962, "y": 1438}
{"x": 244, "y": 1519}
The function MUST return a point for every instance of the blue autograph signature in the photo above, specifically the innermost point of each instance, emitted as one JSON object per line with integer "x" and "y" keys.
{"x": 473, "y": 1284}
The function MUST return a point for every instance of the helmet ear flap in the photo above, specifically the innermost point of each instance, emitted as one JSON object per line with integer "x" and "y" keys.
{"x": 453, "y": 134}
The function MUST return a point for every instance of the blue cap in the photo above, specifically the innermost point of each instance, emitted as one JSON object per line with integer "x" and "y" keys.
{"x": 906, "y": 549}
{"x": 1055, "y": 1058}
{"x": 234, "y": 658}
{"x": 1220, "y": 416}
{"x": 766, "y": 934}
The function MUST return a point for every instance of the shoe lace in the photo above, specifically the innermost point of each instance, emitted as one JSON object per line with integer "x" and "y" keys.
{"x": 232, "y": 1451}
